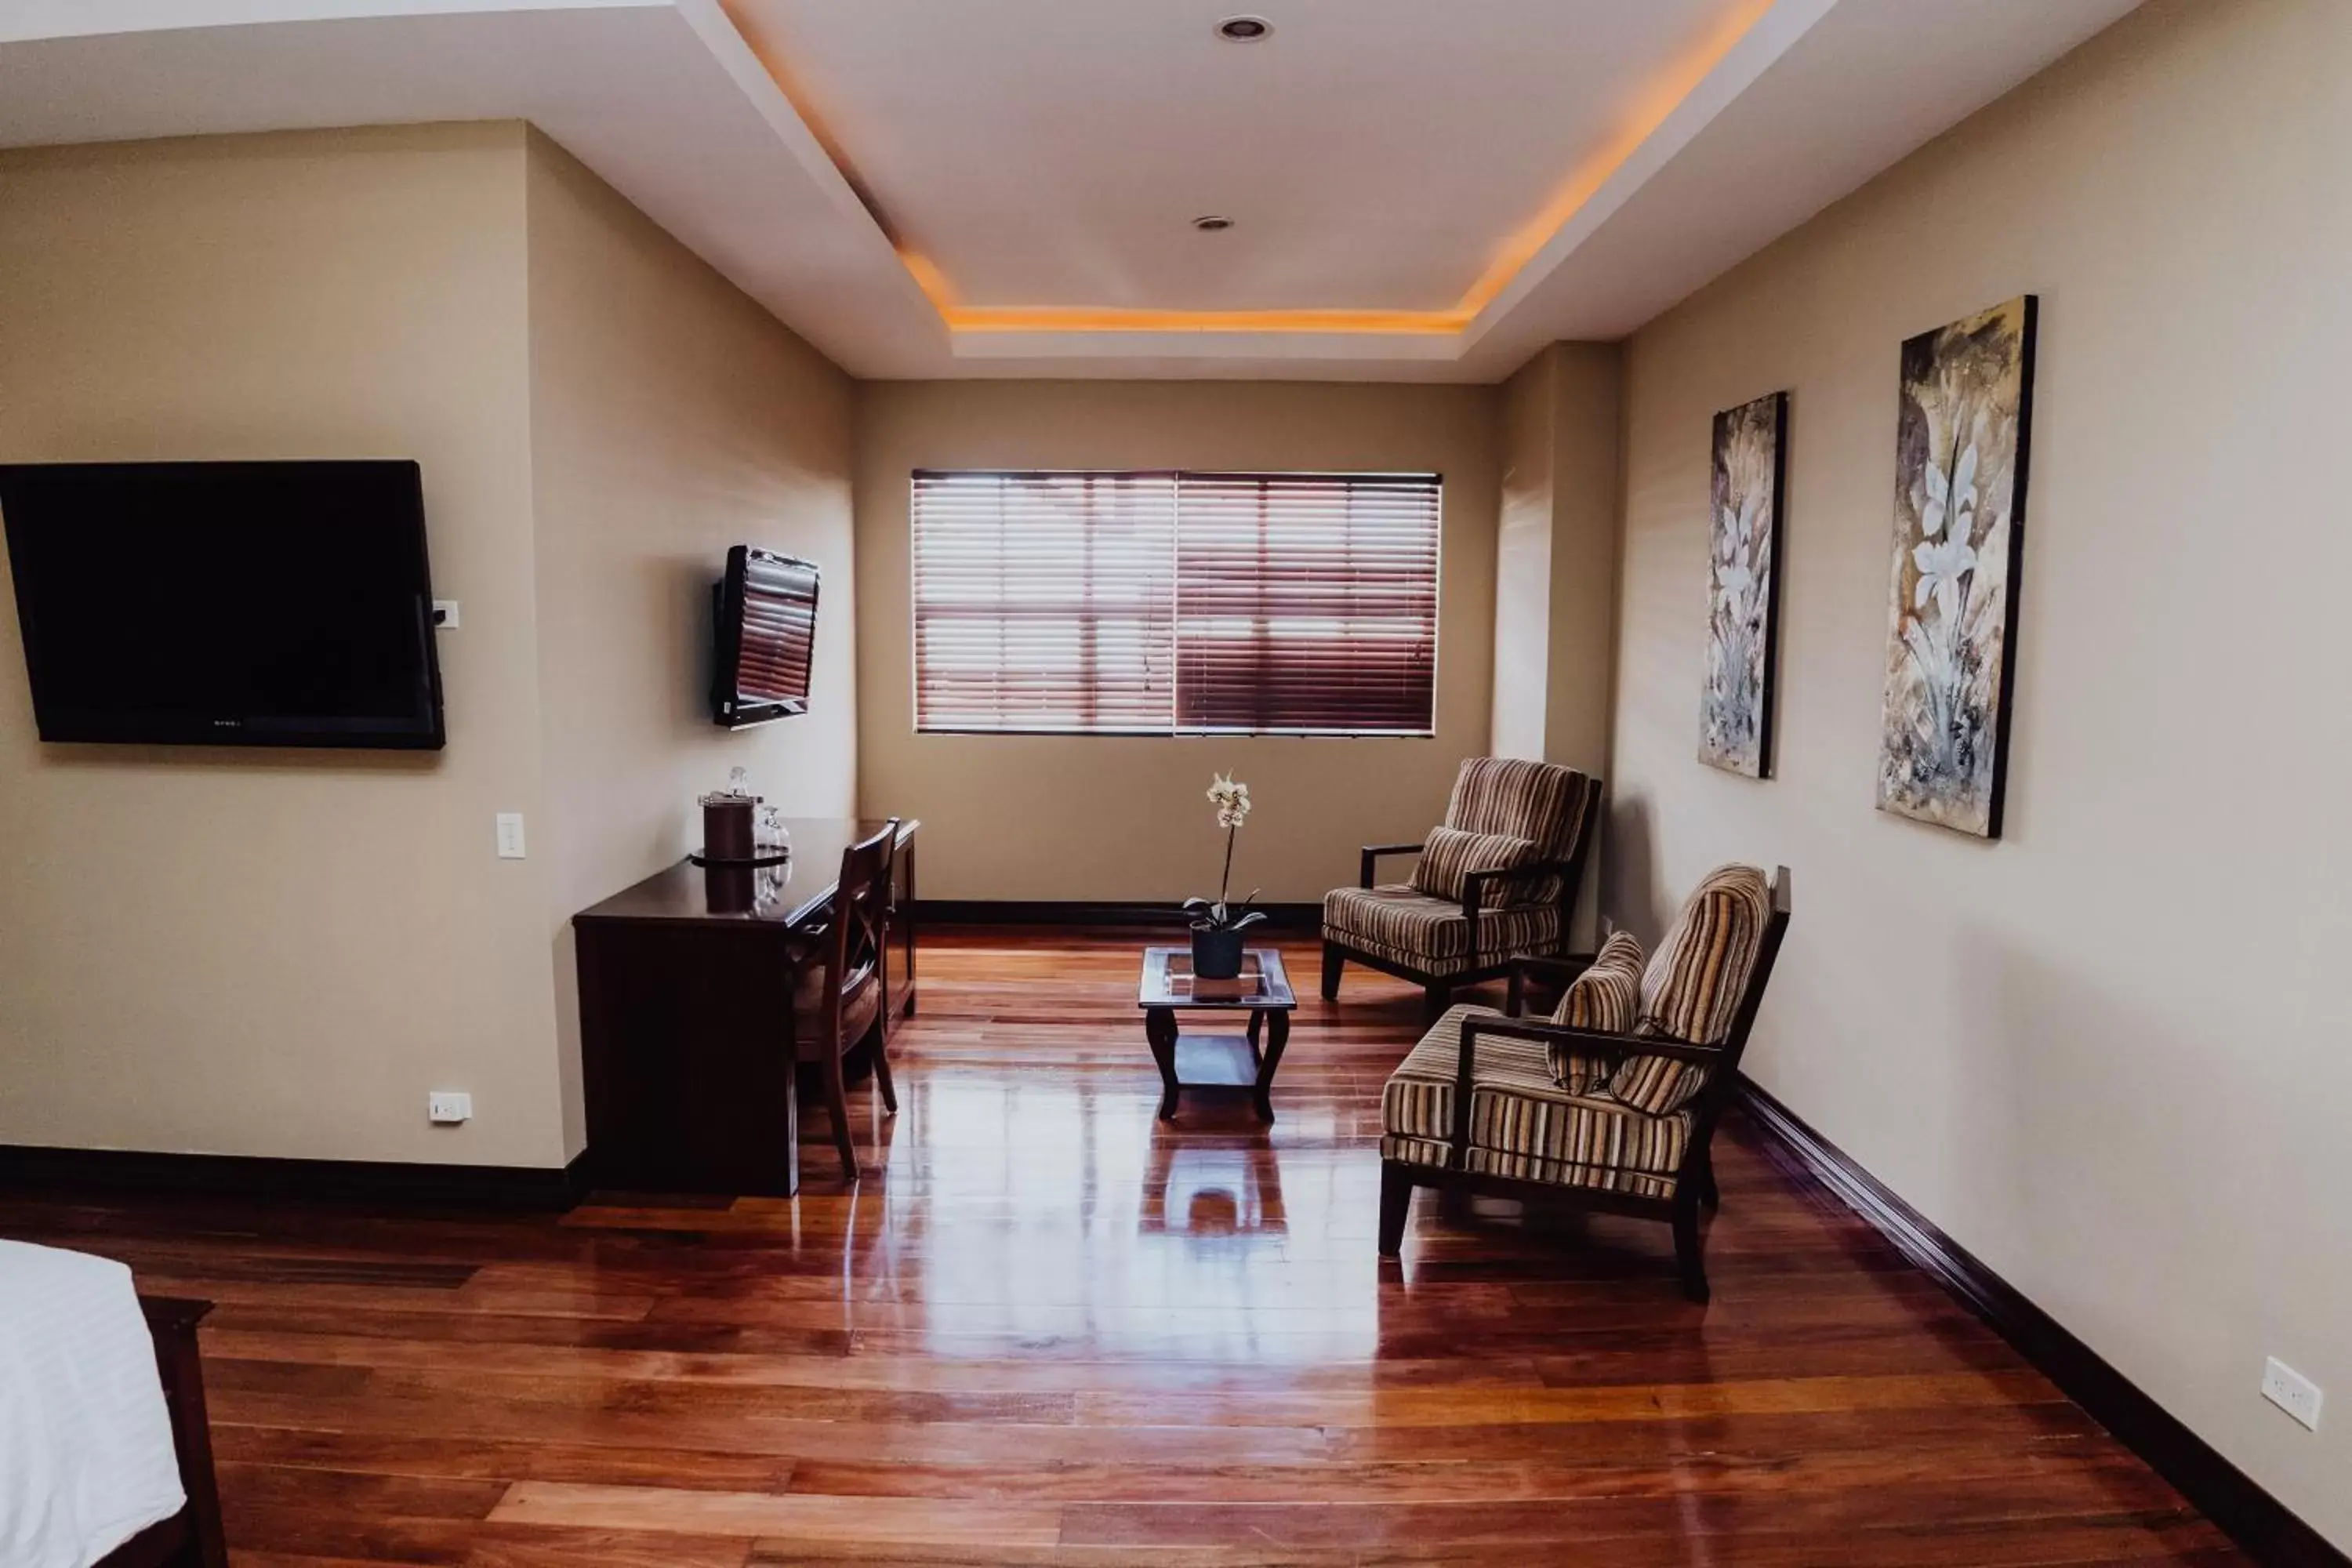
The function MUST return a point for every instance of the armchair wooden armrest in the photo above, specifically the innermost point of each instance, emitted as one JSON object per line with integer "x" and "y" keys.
{"x": 1561, "y": 972}
{"x": 1590, "y": 1042}
{"x": 1366, "y": 866}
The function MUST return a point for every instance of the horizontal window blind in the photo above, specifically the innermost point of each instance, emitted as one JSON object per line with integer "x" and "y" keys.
{"x": 1044, "y": 602}
{"x": 1176, "y": 602}
{"x": 1305, "y": 602}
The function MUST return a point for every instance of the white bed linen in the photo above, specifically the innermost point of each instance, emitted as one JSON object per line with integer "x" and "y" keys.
{"x": 85, "y": 1455}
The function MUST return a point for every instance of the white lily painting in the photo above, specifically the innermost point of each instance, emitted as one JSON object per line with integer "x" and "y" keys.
{"x": 1959, "y": 512}
{"x": 1742, "y": 597}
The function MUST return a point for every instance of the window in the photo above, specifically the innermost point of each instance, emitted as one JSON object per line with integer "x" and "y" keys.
{"x": 1044, "y": 602}
{"x": 1176, "y": 602}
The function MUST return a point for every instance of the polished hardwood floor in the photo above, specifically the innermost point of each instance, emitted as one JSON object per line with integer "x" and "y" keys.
{"x": 1047, "y": 1330}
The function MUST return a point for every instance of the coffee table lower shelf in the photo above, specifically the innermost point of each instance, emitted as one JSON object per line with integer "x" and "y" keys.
{"x": 1217, "y": 1061}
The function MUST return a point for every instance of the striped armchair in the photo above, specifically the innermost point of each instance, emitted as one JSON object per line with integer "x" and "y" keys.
{"x": 1495, "y": 882}
{"x": 1612, "y": 1102}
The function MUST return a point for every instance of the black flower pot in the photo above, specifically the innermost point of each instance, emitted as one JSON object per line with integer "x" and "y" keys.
{"x": 1216, "y": 954}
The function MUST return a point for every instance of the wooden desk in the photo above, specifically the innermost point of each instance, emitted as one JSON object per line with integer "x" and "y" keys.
{"x": 685, "y": 1017}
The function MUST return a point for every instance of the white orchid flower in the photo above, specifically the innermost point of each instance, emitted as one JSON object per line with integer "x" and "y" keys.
{"x": 1231, "y": 798}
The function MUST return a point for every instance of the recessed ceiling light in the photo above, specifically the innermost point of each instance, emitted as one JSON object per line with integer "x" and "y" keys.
{"x": 1244, "y": 29}
{"x": 1212, "y": 223}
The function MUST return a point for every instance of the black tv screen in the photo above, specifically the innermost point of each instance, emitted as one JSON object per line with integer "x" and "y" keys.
{"x": 767, "y": 631}
{"x": 226, "y": 603}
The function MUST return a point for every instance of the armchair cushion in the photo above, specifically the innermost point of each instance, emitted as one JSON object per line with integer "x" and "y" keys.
{"x": 1431, "y": 935}
{"x": 1450, "y": 855}
{"x": 1606, "y": 999}
{"x": 1522, "y": 1123}
{"x": 1694, "y": 984}
{"x": 1537, "y": 801}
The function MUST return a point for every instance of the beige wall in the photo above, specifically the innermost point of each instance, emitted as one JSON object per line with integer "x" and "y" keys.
{"x": 1556, "y": 565}
{"x": 272, "y": 952}
{"x": 1523, "y": 560}
{"x": 1110, "y": 817}
{"x": 2108, "y": 1054}
{"x": 278, "y": 954}
{"x": 1587, "y": 381}
{"x": 671, "y": 417}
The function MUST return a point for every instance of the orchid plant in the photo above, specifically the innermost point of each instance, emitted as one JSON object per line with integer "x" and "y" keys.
{"x": 1233, "y": 803}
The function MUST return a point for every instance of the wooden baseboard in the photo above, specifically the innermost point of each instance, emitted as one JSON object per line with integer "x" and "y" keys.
{"x": 2222, "y": 1493}
{"x": 27, "y": 1168}
{"x": 1163, "y": 917}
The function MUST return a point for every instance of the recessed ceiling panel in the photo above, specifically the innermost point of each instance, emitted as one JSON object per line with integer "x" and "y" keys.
{"x": 1424, "y": 191}
{"x": 1373, "y": 154}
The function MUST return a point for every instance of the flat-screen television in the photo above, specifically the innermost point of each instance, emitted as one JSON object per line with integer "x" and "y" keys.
{"x": 226, "y": 603}
{"x": 766, "y": 612}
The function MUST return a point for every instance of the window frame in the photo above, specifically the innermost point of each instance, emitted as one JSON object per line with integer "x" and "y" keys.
{"x": 1174, "y": 730}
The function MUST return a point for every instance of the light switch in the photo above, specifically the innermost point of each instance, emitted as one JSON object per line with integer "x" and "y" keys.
{"x": 510, "y": 836}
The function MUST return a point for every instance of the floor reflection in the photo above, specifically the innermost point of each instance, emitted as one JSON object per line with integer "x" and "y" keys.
{"x": 1111, "y": 1234}
{"x": 1211, "y": 1191}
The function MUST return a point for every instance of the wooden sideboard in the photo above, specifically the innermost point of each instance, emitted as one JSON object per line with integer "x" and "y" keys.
{"x": 685, "y": 1017}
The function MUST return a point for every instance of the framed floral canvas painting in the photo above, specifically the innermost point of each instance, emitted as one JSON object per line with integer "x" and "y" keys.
{"x": 1961, "y": 442}
{"x": 1743, "y": 593}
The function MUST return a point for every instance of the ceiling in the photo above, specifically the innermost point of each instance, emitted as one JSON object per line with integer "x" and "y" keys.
{"x": 937, "y": 188}
{"x": 1371, "y": 151}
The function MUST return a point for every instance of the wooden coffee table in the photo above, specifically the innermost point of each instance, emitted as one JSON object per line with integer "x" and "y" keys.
{"x": 1245, "y": 1060}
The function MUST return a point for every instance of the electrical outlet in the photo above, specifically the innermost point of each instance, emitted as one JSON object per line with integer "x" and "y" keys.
{"x": 449, "y": 1105}
{"x": 2290, "y": 1391}
{"x": 510, "y": 836}
{"x": 444, "y": 614}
